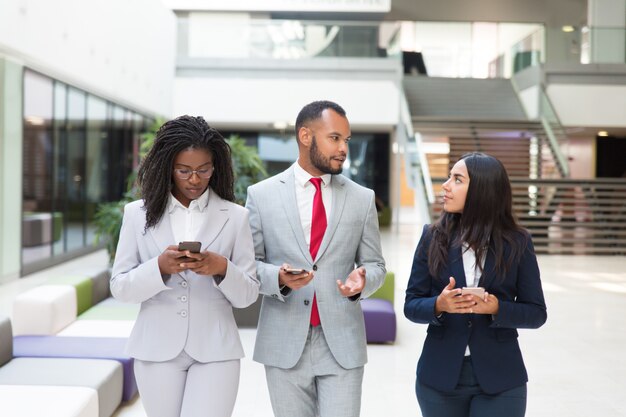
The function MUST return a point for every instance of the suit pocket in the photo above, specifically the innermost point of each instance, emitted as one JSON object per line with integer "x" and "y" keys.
{"x": 504, "y": 335}
{"x": 436, "y": 331}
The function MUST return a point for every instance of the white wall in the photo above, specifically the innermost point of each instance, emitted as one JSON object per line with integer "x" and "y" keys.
{"x": 530, "y": 100}
{"x": 121, "y": 49}
{"x": 582, "y": 155}
{"x": 261, "y": 102}
{"x": 589, "y": 105}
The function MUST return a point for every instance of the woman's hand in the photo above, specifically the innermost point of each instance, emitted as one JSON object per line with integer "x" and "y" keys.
{"x": 487, "y": 305}
{"x": 170, "y": 261}
{"x": 451, "y": 301}
{"x": 206, "y": 263}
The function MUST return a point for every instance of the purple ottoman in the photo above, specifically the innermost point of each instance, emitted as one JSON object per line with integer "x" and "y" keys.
{"x": 79, "y": 347}
{"x": 380, "y": 320}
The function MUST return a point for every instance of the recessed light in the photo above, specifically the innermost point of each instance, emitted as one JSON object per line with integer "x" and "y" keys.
{"x": 568, "y": 28}
{"x": 603, "y": 133}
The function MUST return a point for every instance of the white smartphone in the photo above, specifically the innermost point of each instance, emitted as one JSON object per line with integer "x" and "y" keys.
{"x": 479, "y": 291}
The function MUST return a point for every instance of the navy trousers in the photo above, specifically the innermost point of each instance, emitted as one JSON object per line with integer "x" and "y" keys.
{"x": 469, "y": 400}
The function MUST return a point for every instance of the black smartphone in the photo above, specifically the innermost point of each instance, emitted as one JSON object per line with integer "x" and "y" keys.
{"x": 295, "y": 271}
{"x": 193, "y": 247}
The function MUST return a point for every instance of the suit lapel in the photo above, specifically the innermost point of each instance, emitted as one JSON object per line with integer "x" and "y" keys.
{"x": 488, "y": 271}
{"x": 216, "y": 215}
{"x": 339, "y": 198}
{"x": 290, "y": 207}
{"x": 162, "y": 234}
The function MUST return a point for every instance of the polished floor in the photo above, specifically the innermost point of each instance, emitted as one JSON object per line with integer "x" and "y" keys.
{"x": 576, "y": 361}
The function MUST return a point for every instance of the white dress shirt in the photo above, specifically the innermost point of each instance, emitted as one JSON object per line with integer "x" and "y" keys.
{"x": 472, "y": 272}
{"x": 187, "y": 221}
{"x": 305, "y": 191}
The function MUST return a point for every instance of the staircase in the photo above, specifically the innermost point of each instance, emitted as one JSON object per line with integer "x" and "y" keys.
{"x": 564, "y": 216}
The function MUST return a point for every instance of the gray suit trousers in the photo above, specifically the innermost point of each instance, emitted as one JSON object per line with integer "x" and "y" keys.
{"x": 317, "y": 385}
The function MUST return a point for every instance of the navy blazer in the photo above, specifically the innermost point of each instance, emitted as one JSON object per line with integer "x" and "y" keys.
{"x": 496, "y": 357}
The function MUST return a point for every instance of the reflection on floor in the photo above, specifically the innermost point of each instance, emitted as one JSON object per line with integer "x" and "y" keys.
{"x": 576, "y": 362}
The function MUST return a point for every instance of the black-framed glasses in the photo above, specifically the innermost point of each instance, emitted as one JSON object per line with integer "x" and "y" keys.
{"x": 185, "y": 173}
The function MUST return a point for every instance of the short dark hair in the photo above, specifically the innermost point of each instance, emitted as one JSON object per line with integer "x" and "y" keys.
{"x": 155, "y": 173}
{"x": 313, "y": 111}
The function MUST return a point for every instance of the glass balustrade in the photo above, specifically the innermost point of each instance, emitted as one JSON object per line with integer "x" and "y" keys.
{"x": 243, "y": 38}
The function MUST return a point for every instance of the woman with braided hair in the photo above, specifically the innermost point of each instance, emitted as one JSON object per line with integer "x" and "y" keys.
{"x": 185, "y": 341}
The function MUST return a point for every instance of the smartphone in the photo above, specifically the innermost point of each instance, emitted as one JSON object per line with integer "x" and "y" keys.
{"x": 295, "y": 271}
{"x": 193, "y": 247}
{"x": 479, "y": 291}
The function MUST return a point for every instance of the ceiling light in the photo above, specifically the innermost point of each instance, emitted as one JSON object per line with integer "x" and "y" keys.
{"x": 568, "y": 28}
{"x": 603, "y": 133}
{"x": 280, "y": 125}
{"x": 35, "y": 120}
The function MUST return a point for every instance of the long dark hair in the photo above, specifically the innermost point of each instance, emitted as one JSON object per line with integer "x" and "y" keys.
{"x": 487, "y": 215}
{"x": 155, "y": 172}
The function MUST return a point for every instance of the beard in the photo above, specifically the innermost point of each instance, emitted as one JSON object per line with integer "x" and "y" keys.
{"x": 320, "y": 162}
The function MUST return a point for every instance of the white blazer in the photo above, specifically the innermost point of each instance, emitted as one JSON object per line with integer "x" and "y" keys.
{"x": 186, "y": 310}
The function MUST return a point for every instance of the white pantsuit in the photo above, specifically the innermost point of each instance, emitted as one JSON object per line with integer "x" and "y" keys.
{"x": 185, "y": 317}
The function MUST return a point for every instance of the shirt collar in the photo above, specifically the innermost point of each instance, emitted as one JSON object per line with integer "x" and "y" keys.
{"x": 199, "y": 204}
{"x": 302, "y": 177}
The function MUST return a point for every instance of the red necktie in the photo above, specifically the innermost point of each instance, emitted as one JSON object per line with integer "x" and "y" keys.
{"x": 318, "y": 227}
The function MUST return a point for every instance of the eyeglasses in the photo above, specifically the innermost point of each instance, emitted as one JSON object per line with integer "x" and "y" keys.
{"x": 185, "y": 174}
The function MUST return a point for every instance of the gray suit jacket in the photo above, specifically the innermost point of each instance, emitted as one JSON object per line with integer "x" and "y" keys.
{"x": 185, "y": 311}
{"x": 352, "y": 239}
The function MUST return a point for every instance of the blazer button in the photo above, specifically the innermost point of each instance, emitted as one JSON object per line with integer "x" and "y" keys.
{"x": 183, "y": 298}
{"x": 184, "y": 284}
{"x": 306, "y": 302}
{"x": 183, "y": 313}
{"x": 469, "y": 323}
{"x": 315, "y": 267}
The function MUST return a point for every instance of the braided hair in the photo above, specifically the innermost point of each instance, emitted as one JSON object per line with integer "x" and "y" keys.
{"x": 155, "y": 173}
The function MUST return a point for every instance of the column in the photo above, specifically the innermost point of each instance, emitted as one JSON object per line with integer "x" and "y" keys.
{"x": 607, "y": 37}
{"x": 11, "y": 137}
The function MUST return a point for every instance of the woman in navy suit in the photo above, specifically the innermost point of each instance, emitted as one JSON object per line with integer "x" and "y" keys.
{"x": 471, "y": 364}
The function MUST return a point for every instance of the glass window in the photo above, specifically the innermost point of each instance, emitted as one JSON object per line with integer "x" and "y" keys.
{"x": 97, "y": 164}
{"x": 60, "y": 175}
{"x": 76, "y": 180}
{"x": 37, "y": 217}
{"x": 78, "y": 152}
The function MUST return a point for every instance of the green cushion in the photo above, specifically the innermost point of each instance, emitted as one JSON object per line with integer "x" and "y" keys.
{"x": 386, "y": 292}
{"x": 117, "y": 312}
{"x": 384, "y": 217}
{"x": 84, "y": 290}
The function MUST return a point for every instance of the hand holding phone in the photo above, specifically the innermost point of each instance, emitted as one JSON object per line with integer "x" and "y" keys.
{"x": 294, "y": 278}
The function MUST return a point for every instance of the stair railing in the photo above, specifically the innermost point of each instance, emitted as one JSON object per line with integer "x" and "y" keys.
{"x": 415, "y": 163}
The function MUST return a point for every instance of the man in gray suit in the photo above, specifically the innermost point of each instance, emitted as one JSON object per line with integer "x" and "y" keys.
{"x": 311, "y": 333}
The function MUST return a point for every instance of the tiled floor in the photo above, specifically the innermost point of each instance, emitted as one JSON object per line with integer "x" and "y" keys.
{"x": 576, "y": 362}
